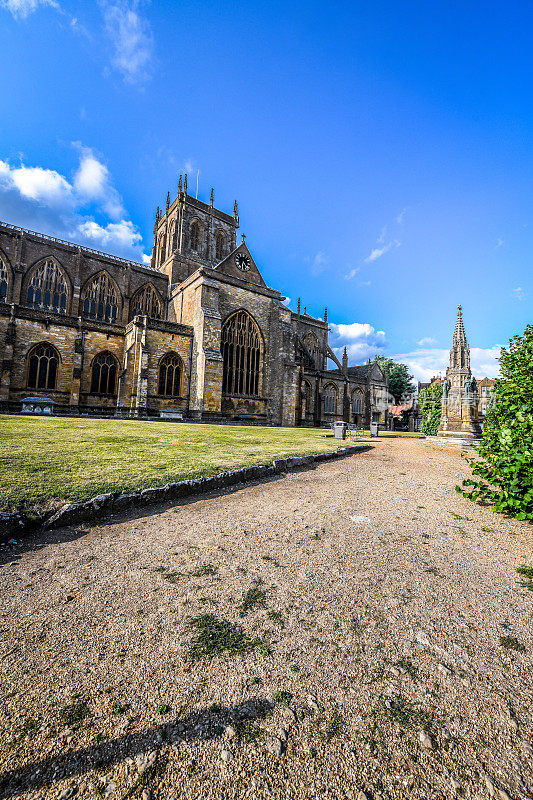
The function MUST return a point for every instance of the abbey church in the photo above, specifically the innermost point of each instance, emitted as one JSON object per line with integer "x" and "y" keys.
{"x": 197, "y": 332}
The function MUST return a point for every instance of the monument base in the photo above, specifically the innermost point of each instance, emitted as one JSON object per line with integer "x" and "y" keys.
{"x": 453, "y": 440}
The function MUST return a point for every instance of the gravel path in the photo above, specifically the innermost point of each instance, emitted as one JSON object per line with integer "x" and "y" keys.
{"x": 386, "y": 644}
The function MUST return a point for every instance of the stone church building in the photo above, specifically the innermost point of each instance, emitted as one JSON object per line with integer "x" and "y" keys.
{"x": 197, "y": 331}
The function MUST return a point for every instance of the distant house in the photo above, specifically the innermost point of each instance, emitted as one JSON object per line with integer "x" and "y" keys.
{"x": 485, "y": 389}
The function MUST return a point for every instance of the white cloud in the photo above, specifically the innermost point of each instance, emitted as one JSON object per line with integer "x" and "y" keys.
{"x": 88, "y": 209}
{"x": 362, "y": 340}
{"x": 401, "y": 216}
{"x": 382, "y": 235}
{"x": 518, "y": 293}
{"x": 35, "y": 183}
{"x": 319, "y": 263}
{"x": 426, "y": 340}
{"x": 92, "y": 182}
{"x": 377, "y": 252}
{"x": 352, "y": 273}
{"x": 131, "y": 36}
{"x": 118, "y": 234}
{"x": 428, "y": 362}
{"x": 23, "y": 8}
{"x": 499, "y": 242}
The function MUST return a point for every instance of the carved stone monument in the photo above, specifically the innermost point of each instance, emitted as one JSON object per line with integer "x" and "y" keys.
{"x": 459, "y": 420}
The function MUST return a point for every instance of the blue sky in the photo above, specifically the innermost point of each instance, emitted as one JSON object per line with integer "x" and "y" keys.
{"x": 380, "y": 152}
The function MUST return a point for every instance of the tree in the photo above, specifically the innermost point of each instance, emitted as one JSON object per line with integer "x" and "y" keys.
{"x": 430, "y": 405}
{"x": 505, "y": 469}
{"x": 399, "y": 379}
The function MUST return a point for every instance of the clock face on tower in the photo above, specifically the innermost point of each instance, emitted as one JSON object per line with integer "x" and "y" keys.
{"x": 242, "y": 262}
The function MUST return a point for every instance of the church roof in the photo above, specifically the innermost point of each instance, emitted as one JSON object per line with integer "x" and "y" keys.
{"x": 241, "y": 264}
{"x": 360, "y": 371}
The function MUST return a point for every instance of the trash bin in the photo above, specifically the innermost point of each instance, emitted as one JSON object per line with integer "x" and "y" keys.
{"x": 339, "y": 429}
{"x": 374, "y": 428}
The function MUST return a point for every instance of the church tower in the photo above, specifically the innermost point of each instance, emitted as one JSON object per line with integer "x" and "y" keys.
{"x": 459, "y": 423}
{"x": 190, "y": 234}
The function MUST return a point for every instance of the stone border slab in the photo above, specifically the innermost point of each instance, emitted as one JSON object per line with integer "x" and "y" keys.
{"x": 453, "y": 441}
{"x": 18, "y": 524}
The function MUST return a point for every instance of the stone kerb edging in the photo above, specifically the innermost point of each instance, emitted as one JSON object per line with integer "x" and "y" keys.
{"x": 18, "y": 524}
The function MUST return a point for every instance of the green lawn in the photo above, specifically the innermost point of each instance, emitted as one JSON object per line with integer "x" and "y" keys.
{"x": 75, "y": 459}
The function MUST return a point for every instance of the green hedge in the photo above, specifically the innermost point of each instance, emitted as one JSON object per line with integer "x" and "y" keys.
{"x": 505, "y": 467}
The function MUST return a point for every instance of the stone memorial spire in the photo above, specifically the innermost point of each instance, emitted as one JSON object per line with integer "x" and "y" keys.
{"x": 459, "y": 424}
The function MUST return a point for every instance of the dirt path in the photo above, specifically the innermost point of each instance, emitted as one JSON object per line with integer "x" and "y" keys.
{"x": 392, "y": 621}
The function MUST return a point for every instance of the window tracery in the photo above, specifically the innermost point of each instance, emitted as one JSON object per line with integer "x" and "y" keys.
{"x": 330, "y": 399}
{"x": 313, "y": 348}
{"x": 357, "y": 403}
{"x": 220, "y": 246}
{"x": 162, "y": 249}
{"x": 4, "y": 280}
{"x": 43, "y": 361}
{"x": 104, "y": 374}
{"x": 170, "y": 375}
{"x": 47, "y": 288}
{"x": 100, "y": 300}
{"x": 146, "y": 301}
{"x": 241, "y": 354}
{"x": 195, "y": 235}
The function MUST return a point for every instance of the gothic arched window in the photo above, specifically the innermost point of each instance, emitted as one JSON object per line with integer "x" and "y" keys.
{"x": 170, "y": 375}
{"x": 47, "y": 288}
{"x": 357, "y": 403}
{"x": 330, "y": 399}
{"x": 220, "y": 245}
{"x": 241, "y": 354}
{"x": 100, "y": 299}
{"x": 104, "y": 374}
{"x": 4, "y": 280}
{"x": 195, "y": 235}
{"x": 43, "y": 361}
{"x": 313, "y": 348}
{"x": 146, "y": 301}
{"x": 163, "y": 249}
{"x": 172, "y": 237}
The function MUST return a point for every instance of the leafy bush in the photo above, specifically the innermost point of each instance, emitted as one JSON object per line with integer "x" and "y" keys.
{"x": 430, "y": 405}
{"x": 506, "y": 465}
{"x": 399, "y": 380}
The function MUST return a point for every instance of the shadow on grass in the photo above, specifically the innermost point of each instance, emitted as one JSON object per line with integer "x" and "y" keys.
{"x": 41, "y": 538}
{"x": 205, "y": 723}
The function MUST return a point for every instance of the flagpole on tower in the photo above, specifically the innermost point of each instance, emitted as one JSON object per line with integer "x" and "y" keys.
{"x": 197, "y": 179}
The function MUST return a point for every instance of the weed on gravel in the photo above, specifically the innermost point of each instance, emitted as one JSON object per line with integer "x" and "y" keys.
{"x": 282, "y": 697}
{"x": 408, "y": 666}
{"x": 74, "y": 713}
{"x": 247, "y": 732}
{"x": 215, "y": 636}
{"x": 512, "y": 643}
{"x": 117, "y": 709}
{"x": 276, "y": 617}
{"x": 407, "y": 715}
{"x": 173, "y": 577}
{"x": 252, "y": 598}
{"x": 527, "y": 573}
{"x": 205, "y": 569}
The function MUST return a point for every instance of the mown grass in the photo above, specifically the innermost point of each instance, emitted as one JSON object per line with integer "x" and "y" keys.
{"x": 75, "y": 459}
